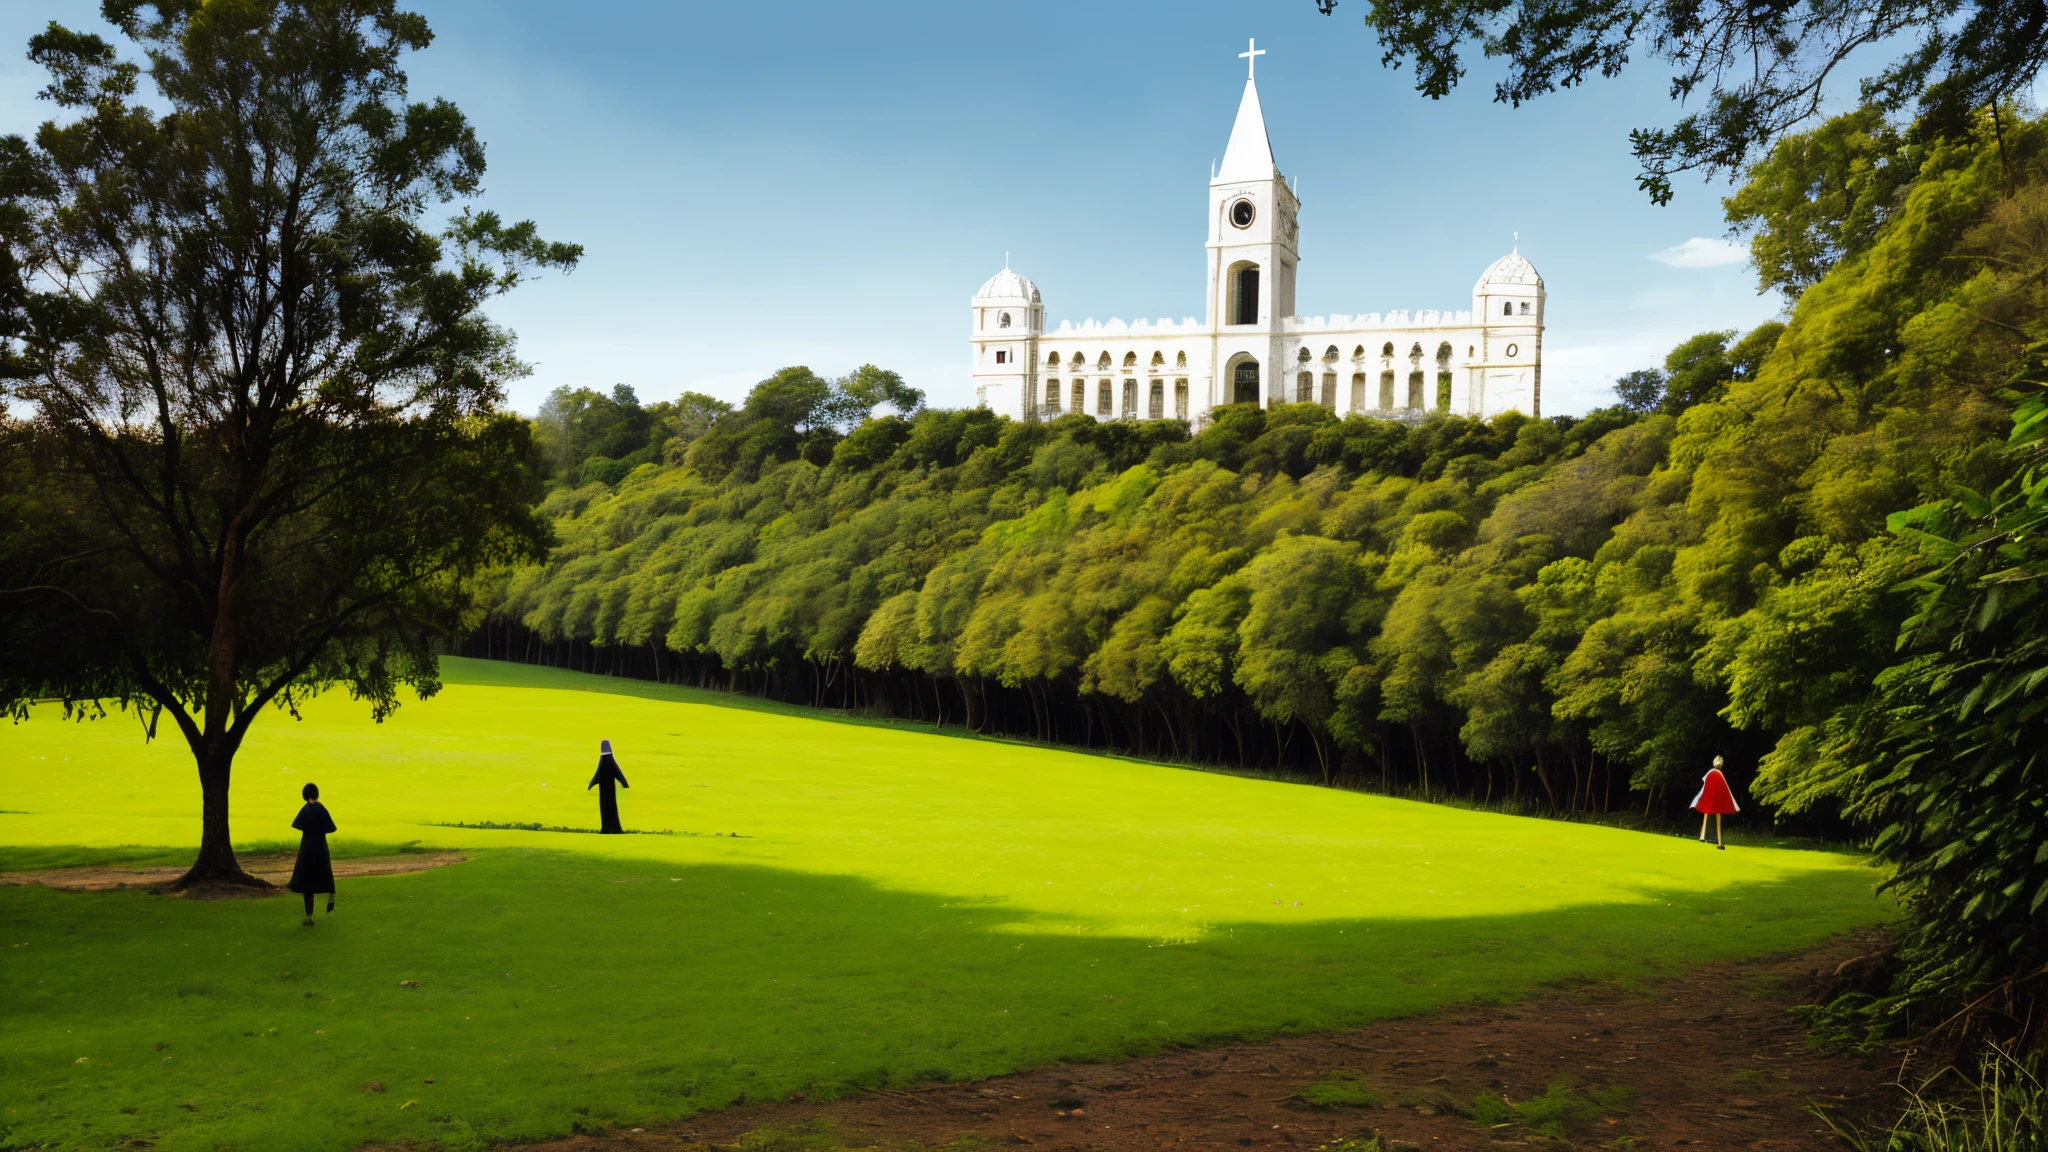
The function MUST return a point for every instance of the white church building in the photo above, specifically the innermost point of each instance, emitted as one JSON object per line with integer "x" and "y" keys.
{"x": 1252, "y": 347}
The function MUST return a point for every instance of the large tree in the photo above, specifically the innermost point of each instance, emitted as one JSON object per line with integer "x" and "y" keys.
{"x": 261, "y": 454}
{"x": 1758, "y": 68}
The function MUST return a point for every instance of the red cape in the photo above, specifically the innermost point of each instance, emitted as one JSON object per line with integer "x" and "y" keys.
{"x": 1715, "y": 799}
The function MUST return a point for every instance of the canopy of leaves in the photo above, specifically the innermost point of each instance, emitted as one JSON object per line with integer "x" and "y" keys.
{"x": 1758, "y": 70}
{"x": 263, "y": 454}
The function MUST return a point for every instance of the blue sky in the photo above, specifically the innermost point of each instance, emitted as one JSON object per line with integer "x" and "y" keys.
{"x": 758, "y": 185}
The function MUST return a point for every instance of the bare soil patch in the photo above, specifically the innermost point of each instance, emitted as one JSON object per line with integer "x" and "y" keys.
{"x": 275, "y": 867}
{"x": 1709, "y": 1059}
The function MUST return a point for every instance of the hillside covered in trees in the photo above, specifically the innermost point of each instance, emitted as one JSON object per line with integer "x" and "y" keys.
{"x": 1570, "y": 613}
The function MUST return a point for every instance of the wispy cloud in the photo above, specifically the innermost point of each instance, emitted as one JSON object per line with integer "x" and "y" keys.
{"x": 1700, "y": 252}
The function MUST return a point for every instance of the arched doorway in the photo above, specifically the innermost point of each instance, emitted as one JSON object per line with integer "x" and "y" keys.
{"x": 1244, "y": 382}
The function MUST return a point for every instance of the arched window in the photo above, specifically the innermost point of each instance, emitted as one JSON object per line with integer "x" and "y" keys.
{"x": 1159, "y": 359}
{"x": 1443, "y": 353}
{"x": 1507, "y": 308}
{"x": 1180, "y": 398}
{"x": 1358, "y": 353}
{"x": 1525, "y": 307}
{"x": 1330, "y": 354}
{"x": 1329, "y": 396}
{"x": 1243, "y": 303}
{"x": 1053, "y": 361}
{"x": 1415, "y": 389}
{"x": 1387, "y": 349}
{"x": 1052, "y": 397}
{"x": 1386, "y": 391}
{"x": 1244, "y": 382}
{"x": 1471, "y": 350}
{"x": 1302, "y": 356}
{"x": 1358, "y": 392}
{"x": 1130, "y": 359}
{"x": 1130, "y": 399}
{"x": 1180, "y": 360}
{"x": 1415, "y": 351}
{"x": 1156, "y": 407}
{"x": 1078, "y": 361}
{"x": 1102, "y": 400}
{"x": 1102, "y": 363}
{"x": 1304, "y": 388}
{"x": 1003, "y": 320}
{"x": 1080, "y": 403}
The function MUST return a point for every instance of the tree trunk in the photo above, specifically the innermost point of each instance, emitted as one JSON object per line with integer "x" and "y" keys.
{"x": 1543, "y": 778}
{"x": 216, "y": 863}
{"x": 219, "y": 736}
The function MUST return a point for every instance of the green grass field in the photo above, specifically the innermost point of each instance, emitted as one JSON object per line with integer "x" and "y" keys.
{"x": 896, "y": 904}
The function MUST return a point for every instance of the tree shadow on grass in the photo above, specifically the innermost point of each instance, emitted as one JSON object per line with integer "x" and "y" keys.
{"x": 557, "y": 991}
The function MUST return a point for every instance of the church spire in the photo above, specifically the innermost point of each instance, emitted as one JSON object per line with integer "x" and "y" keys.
{"x": 1250, "y": 154}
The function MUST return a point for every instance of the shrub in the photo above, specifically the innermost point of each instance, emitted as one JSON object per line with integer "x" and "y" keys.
{"x": 2002, "y": 1112}
{"x": 1559, "y": 1112}
{"x": 1339, "y": 1090}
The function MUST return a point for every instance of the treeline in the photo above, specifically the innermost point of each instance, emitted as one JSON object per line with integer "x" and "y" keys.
{"x": 1578, "y": 613}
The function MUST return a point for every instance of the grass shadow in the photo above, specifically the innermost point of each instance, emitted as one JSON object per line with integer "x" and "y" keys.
{"x": 532, "y": 993}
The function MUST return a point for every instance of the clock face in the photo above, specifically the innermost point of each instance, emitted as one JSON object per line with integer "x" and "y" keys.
{"x": 1242, "y": 214}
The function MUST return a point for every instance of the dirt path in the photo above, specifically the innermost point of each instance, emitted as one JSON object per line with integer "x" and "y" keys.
{"x": 1709, "y": 1060}
{"x": 275, "y": 867}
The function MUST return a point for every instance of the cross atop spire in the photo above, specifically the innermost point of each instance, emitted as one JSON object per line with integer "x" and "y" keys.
{"x": 1251, "y": 58}
{"x": 1249, "y": 155}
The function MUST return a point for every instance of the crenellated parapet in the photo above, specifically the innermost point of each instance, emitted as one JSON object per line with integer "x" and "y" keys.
{"x": 1250, "y": 347}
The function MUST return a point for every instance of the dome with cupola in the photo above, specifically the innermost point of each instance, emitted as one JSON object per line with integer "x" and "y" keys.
{"x": 1008, "y": 285}
{"x": 1511, "y": 270}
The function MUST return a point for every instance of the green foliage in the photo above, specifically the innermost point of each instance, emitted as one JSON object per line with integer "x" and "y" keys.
{"x": 1851, "y": 1022}
{"x": 2002, "y": 1108}
{"x": 819, "y": 1136}
{"x": 1339, "y": 1090}
{"x": 589, "y": 437}
{"x": 1953, "y": 775}
{"x": 794, "y": 414}
{"x": 1561, "y": 1112}
{"x": 1821, "y": 196}
{"x": 1641, "y": 390}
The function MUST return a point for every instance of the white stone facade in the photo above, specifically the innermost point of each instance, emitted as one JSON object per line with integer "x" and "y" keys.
{"x": 1251, "y": 346}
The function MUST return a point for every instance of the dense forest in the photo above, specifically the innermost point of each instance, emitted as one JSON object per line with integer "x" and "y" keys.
{"x": 1561, "y": 612}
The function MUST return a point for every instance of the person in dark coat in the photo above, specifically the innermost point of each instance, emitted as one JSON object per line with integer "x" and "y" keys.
{"x": 313, "y": 871}
{"x": 608, "y": 774}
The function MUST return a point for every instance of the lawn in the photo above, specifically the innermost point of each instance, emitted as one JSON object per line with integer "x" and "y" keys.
{"x": 838, "y": 904}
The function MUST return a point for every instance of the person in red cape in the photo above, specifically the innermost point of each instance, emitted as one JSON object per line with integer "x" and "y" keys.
{"x": 1716, "y": 799}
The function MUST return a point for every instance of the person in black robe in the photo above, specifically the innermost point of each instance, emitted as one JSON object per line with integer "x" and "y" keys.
{"x": 313, "y": 871}
{"x": 608, "y": 774}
